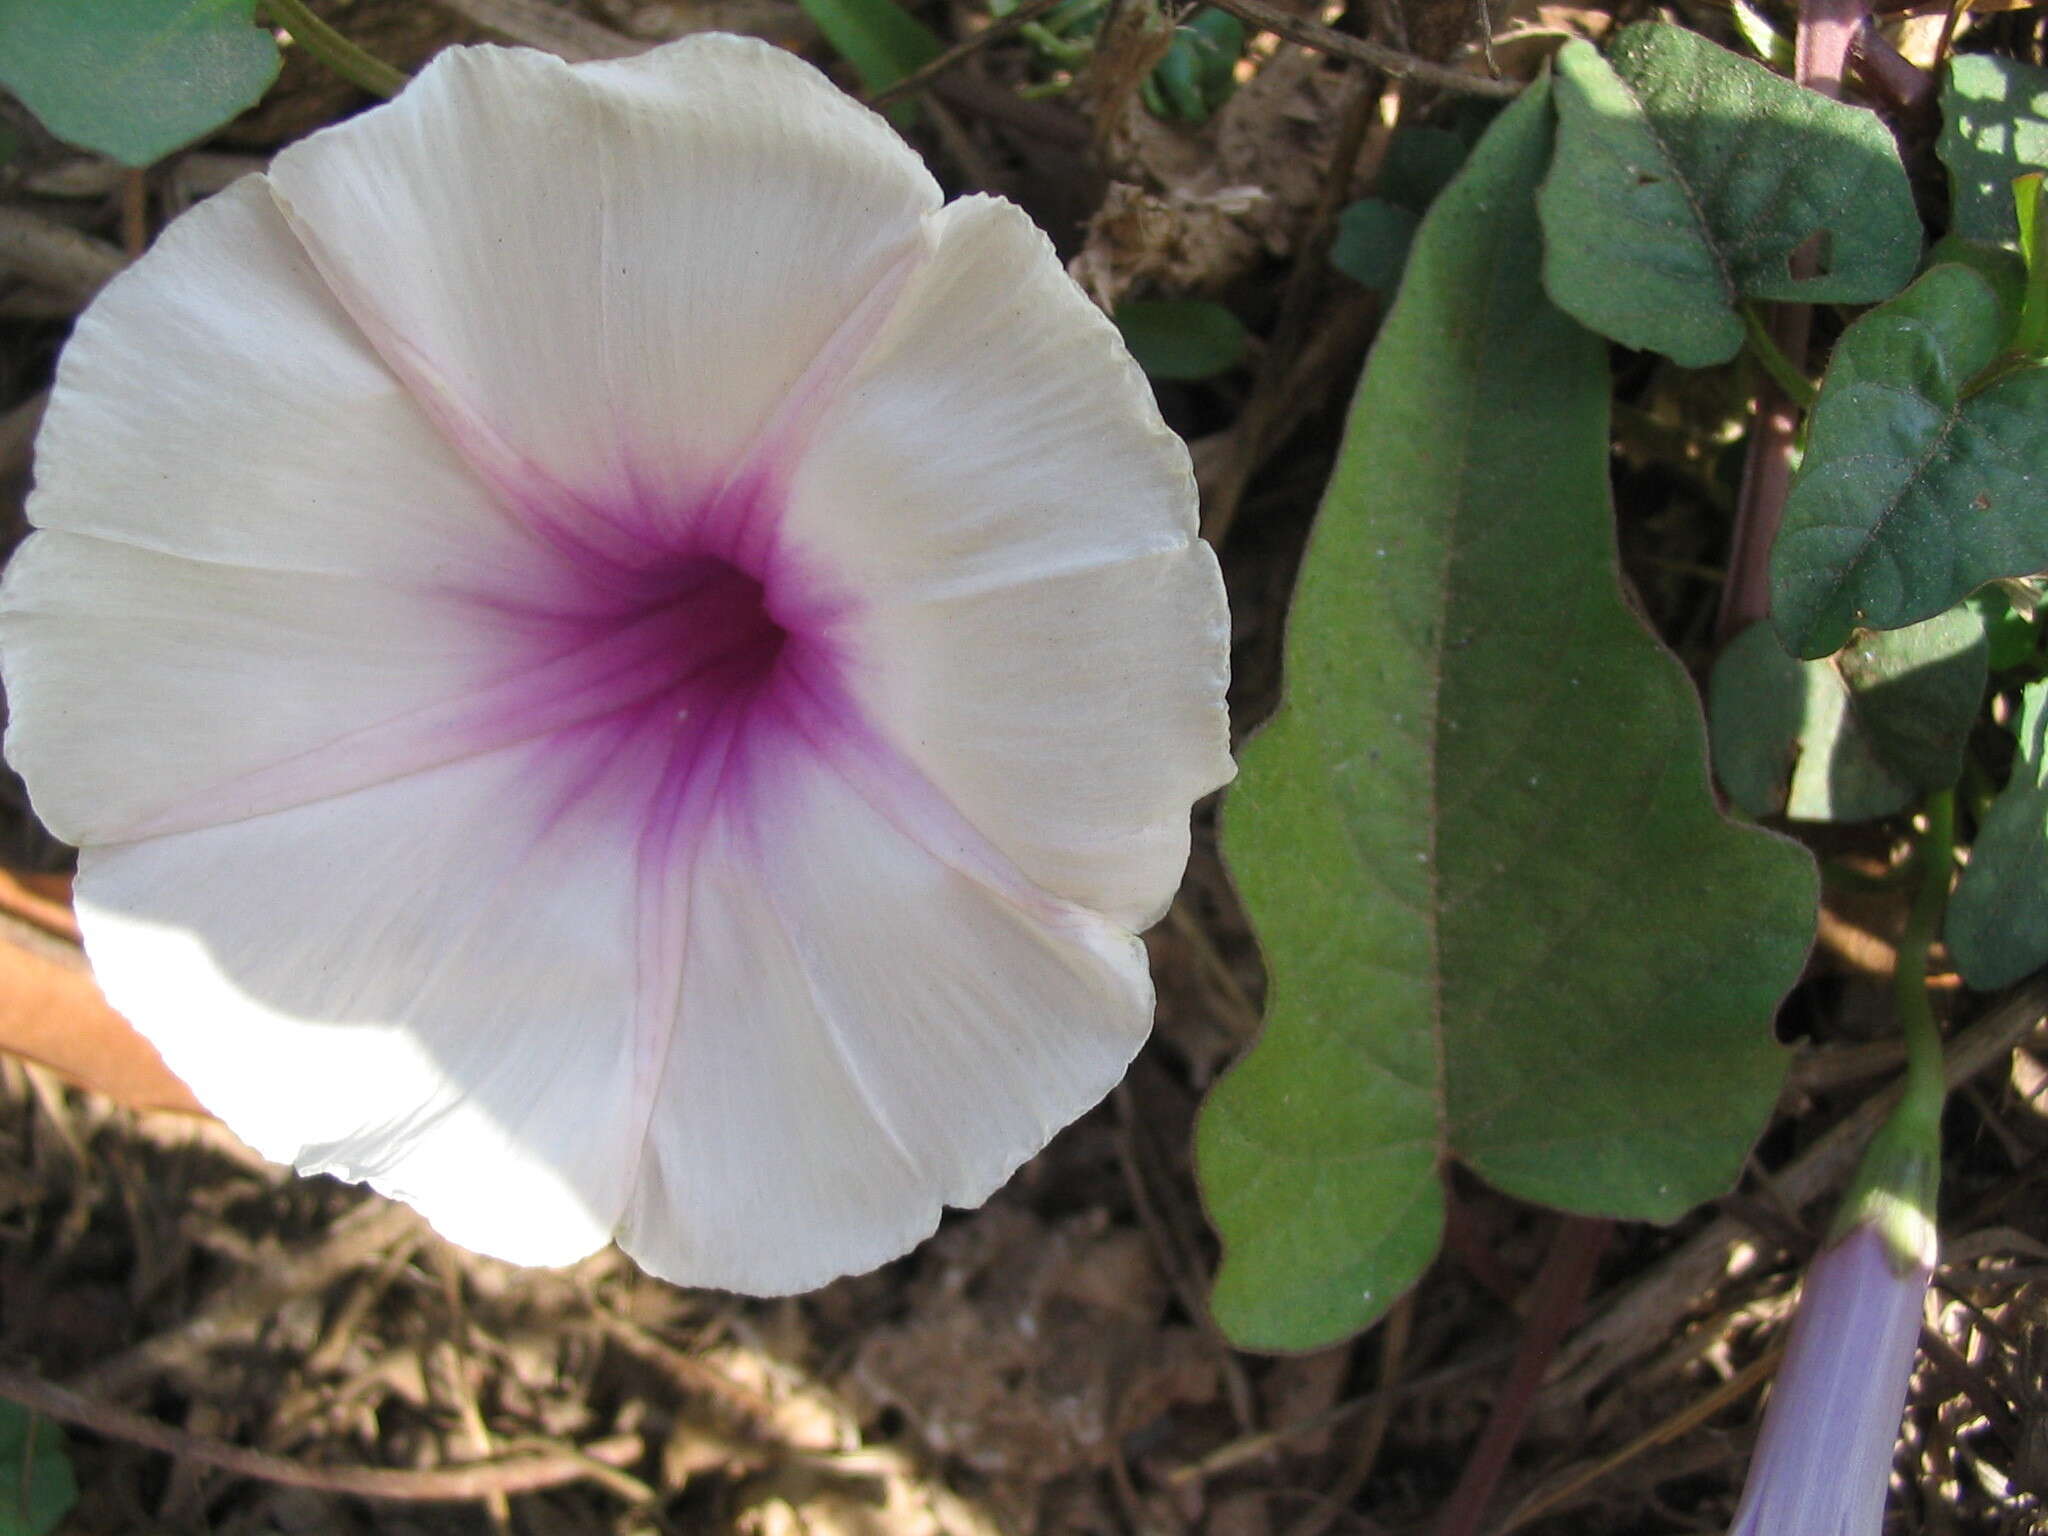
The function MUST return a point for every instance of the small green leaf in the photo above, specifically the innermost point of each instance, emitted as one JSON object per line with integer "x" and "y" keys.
{"x": 1503, "y": 922}
{"x": 1688, "y": 179}
{"x": 1372, "y": 242}
{"x": 1997, "y": 925}
{"x": 1994, "y": 127}
{"x": 1181, "y": 338}
{"x": 37, "y": 1488}
{"x": 1921, "y": 481}
{"x": 1999, "y": 267}
{"x": 2011, "y": 636}
{"x": 1197, "y": 75}
{"x": 1849, "y": 737}
{"x": 134, "y": 79}
{"x": 882, "y": 41}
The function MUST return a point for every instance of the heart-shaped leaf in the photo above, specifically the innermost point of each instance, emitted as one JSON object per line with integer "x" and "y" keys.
{"x": 1688, "y": 179}
{"x": 1997, "y": 925}
{"x": 1503, "y": 922}
{"x": 1923, "y": 478}
{"x": 1849, "y": 737}
{"x": 134, "y": 79}
{"x": 1994, "y": 126}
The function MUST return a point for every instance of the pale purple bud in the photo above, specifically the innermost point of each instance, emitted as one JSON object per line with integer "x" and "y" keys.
{"x": 1824, "y": 1459}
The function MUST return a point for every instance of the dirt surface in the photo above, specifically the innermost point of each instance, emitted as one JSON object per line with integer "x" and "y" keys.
{"x": 242, "y": 1351}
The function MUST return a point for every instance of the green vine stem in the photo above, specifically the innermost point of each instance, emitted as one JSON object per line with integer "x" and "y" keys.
{"x": 345, "y": 58}
{"x": 1925, "y": 1088}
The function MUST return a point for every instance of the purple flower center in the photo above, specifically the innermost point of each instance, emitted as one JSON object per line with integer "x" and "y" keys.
{"x": 671, "y": 661}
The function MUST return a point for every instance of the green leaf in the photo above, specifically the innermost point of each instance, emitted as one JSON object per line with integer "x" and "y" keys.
{"x": 882, "y": 41}
{"x": 1997, "y": 925}
{"x": 134, "y": 79}
{"x": 37, "y": 1488}
{"x": 1181, "y": 338}
{"x": 1420, "y": 163}
{"x": 1922, "y": 480}
{"x": 1503, "y": 923}
{"x": 2009, "y": 635}
{"x": 1198, "y": 73}
{"x": 1687, "y": 179}
{"x": 1999, "y": 267}
{"x": 1372, "y": 242}
{"x": 1850, "y": 737}
{"x": 1994, "y": 127}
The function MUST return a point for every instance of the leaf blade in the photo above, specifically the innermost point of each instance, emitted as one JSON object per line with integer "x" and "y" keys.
{"x": 1918, "y": 485}
{"x": 1688, "y": 179}
{"x": 135, "y": 79}
{"x": 1404, "y": 862}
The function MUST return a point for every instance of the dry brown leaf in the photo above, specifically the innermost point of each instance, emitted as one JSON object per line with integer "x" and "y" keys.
{"x": 52, "y": 1013}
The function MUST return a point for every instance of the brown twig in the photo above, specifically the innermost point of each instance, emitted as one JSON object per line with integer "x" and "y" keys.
{"x": 994, "y": 32}
{"x": 523, "y": 1474}
{"x": 362, "y": 1235}
{"x": 1247, "y": 1448}
{"x": 1556, "y": 1297}
{"x": 1688, "y": 1418}
{"x": 1342, "y": 45}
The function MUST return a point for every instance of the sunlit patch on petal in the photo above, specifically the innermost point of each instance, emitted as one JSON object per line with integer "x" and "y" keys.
{"x": 413, "y": 984}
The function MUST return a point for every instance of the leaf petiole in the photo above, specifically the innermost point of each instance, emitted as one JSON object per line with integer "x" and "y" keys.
{"x": 1797, "y": 387}
{"x": 353, "y": 63}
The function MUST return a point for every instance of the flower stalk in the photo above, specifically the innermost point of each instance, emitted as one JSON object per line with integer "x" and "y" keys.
{"x": 1823, "y": 1460}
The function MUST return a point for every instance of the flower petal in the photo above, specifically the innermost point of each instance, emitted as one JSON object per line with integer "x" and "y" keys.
{"x": 1073, "y": 719}
{"x": 251, "y": 673}
{"x": 1049, "y": 641}
{"x": 868, "y": 1029}
{"x": 215, "y": 402}
{"x": 426, "y": 984}
{"x": 701, "y": 220}
{"x": 997, "y": 431}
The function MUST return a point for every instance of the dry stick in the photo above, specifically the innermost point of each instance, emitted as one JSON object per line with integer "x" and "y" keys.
{"x": 553, "y": 28}
{"x": 1342, "y": 45}
{"x": 1555, "y": 1302}
{"x": 1687, "y": 1419}
{"x": 1258, "y": 421}
{"x": 1236, "y": 1453}
{"x": 72, "y": 265}
{"x": 357, "y": 1238}
{"x": 1639, "y": 1318}
{"x": 524, "y": 1474}
{"x": 994, "y": 32}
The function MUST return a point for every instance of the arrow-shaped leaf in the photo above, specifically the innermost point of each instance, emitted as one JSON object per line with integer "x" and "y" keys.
{"x": 1849, "y": 737}
{"x": 1688, "y": 179}
{"x": 1504, "y": 924}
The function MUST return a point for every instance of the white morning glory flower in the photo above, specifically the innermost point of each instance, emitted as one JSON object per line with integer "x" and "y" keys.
{"x": 619, "y": 669}
{"x": 1823, "y": 1462}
